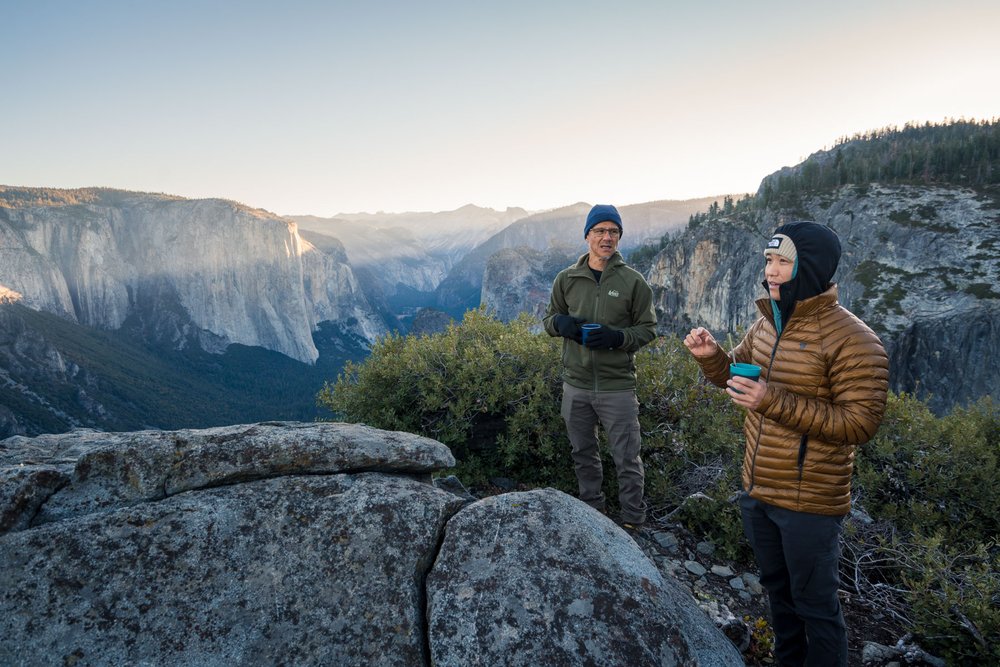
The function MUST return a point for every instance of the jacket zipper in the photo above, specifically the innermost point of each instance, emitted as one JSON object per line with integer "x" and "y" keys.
{"x": 803, "y": 444}
{"x": 760, "y": 423}
{"x": 597, "y": 304}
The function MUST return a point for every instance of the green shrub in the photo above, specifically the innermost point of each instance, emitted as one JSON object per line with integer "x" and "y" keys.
{"x": 490, "y": 391}
{"x": 761, "y": 641}
{"x": 952, "y": 594}
{"x": 933, "y": 482}
{"x": 718, "y": 519}
{"x": 928, "y": 474}
{"x": 692, "y": 443}
{"x": 695, "y": 420}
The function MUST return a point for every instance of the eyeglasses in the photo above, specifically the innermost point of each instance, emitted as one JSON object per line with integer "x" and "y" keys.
{"x": 612, "y": 232}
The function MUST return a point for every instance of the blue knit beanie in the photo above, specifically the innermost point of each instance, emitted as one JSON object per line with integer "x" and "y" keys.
{"x": 602, "y": 213}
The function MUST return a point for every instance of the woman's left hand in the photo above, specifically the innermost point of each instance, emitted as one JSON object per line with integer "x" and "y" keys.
{"x": 745, "y": 392}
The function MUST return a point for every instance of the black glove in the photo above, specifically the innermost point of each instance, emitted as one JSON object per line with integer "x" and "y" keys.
{"x": 568, "y": 327}
{"x": 605, "y": 339}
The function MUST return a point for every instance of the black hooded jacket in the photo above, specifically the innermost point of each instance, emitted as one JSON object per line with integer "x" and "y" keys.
{"x": 818, "y": 254}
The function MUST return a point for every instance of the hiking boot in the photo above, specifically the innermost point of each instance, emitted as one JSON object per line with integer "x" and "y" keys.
{"x": 635, "y": 530}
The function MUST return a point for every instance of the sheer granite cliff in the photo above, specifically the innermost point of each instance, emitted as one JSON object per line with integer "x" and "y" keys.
{"x": 920, "y": 265}
{"x": 176, "y": 271}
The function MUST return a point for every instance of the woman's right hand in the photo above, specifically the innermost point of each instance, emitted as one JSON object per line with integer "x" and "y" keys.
{"x": 700, "y": 342}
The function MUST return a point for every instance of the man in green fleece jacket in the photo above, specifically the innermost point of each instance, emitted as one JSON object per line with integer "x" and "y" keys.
{"x": 599, "y": 371}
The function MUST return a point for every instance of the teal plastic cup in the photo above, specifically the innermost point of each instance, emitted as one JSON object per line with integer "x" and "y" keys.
{"x": 749, "y": 371}
{"x": 587, "y": 328}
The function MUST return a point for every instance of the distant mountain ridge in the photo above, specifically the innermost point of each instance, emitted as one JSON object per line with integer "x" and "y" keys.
{"x": 410, "y": 251}
{"x": 557, "y": 234}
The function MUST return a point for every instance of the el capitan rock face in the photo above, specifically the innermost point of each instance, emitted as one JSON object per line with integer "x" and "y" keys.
{"x": 178, "y": 271}
{"x": 311, "y": 544}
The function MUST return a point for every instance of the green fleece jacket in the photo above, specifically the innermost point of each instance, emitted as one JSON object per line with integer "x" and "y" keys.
{"x": 623, "y": 300}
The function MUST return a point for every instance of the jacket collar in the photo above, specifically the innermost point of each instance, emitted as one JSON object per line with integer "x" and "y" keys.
{"x": 583, "y": 267}
{"x": 802, "y": 308}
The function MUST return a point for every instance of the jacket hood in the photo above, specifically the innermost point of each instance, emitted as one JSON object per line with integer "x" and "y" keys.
{"x": 818, "y": 254}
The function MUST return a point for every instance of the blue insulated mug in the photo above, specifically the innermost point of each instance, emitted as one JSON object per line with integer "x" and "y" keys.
{"x": 587, "y": 328}
{"x": 749, "y": 371}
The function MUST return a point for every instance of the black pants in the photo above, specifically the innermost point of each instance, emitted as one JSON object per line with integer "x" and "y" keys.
{"x": 798, "y": 555}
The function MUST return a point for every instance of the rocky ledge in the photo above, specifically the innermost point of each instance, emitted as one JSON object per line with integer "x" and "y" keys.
{"x": 289, "y": 543}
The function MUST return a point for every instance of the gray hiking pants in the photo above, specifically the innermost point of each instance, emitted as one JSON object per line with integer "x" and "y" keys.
{"x": 618, "y": 413}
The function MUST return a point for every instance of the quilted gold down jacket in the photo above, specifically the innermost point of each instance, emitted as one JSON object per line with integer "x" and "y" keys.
{"x": 827, "y": 380}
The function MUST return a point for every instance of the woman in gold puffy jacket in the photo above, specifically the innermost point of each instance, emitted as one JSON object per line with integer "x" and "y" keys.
{"x": 821, "y": 392}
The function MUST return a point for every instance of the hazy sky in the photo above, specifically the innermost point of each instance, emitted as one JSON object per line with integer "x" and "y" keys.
{"x": 324, "y": 107}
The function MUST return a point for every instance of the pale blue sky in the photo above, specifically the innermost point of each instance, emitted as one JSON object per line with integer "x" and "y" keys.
{"x": 324, "y": 107}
